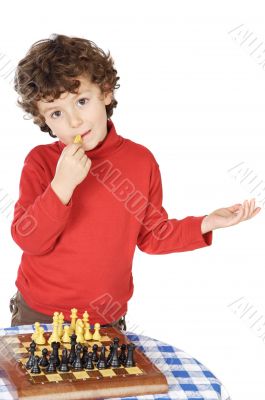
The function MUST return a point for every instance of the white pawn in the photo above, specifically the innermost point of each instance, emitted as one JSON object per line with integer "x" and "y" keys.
{"x": 40, "y": 339}
{"x": 79, "y": 331}
{"x": 36, "y": 332}
{"x": 66, "y": 337}
{"x": 85, "y": 318}
{"x": 88, "y": 334}
{"x": 96, "y": 335}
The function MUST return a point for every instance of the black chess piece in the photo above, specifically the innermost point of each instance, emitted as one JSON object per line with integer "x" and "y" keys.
{"x": 36, "y": 369}
{"x": 129, "y": 362}
{"x": 30, "y": 362}
{"x": 89, "y": 363}
{"x": 84, "y": 356}
{"x": 95, "y": 353}
{"x": 44, "y": 360}
{"x": 73, "y": 339}
{"x": 72, "y": 355}
{"x": 122, "y": 356}
{"x": 52, "y": 364}
{"x": 77, "y": 364}
{"x": 102, "y": 362}
{"x": 114, "y": 360}
{"x": 55, "y": 351}
{"x": 64, "y": 363}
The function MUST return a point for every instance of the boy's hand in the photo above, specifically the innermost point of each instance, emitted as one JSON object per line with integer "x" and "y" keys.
{"x": 72, "y": 168}
{"x": 224, "y": 217}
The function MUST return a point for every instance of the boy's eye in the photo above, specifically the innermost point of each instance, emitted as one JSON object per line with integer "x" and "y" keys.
{"x": 84, "y": 98}
{"x": 54, "y": 113}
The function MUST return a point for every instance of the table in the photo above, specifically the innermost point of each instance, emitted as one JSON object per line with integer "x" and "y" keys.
{"x": 188, "y": 379}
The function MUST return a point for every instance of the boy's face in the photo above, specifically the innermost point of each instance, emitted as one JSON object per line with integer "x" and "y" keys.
{"x": 74, "y": 114}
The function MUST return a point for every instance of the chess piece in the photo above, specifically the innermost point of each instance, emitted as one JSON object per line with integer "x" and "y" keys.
{"x": 114, "y": 361}
{"x": 84, "y": 356}
{"x": 122, "y": 356}
{"x": 66, "y": 337}
{"x": 77, "y": 364}
{"x": 55, "y": 352}
{"x": 96, "y": 334}
{"x": 36, "y": 369}
{"x": 85, "y": 319}
{"x": 73, "y": 317}
{"x": 79, "y": 330}
{"x": 54, "y": 336}
{"x": 129, "y": 362}
{"x": 52, "y": 364}
{"x": 89, "y": 363}
{"x": 102, "y": 362}
{"x": 73, "y": 339}
{"x": 72, "y": 354}
{"x": 64, "y": 363}
{"x": 36, "y": 332}
{"x": 60, "y": 324}
{"x": 44, "y": 360}
{"x": 30, "y": 362}
{"x": 40, "y": 339}
{"x": 88, "y": 335}
{"x": 95, "y": 352}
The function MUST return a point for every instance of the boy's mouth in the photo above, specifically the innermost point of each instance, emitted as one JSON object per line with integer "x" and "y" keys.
{"x": 85, "y": 133}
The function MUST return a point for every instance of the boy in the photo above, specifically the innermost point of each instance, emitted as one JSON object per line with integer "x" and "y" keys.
{"x": 83, "y": 207}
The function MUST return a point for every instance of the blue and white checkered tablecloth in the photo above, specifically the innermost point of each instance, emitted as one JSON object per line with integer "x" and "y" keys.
{"x": 187, "y": 378}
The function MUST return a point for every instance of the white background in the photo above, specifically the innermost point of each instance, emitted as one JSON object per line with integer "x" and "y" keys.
{"x": 193, "y": 93}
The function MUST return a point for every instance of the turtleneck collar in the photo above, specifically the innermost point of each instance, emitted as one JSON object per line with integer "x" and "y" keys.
{"x": 109, "y": 145}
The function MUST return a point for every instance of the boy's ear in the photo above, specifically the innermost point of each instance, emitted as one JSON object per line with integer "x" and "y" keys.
{"x": 108, "y": 97}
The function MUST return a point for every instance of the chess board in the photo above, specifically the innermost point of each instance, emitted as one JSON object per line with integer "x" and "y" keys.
{"x": 143, "y": 378}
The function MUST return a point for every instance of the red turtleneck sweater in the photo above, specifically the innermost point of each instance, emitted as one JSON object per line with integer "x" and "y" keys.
{"x": 80, "y": 254}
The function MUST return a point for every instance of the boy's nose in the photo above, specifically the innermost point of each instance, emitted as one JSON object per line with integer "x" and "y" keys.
{"x": 75, "y": 121}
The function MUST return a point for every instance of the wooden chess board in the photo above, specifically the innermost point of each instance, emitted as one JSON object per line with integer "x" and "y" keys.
{"x": 143, "y": 378}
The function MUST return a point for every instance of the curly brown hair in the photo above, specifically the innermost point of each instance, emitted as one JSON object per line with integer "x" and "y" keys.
{"x": 49, "y": 67}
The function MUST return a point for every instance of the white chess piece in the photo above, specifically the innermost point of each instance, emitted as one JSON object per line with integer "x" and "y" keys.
{"x": 73, "y": 317}
{"x": 66, "y": 337}
{"x": 40, "y": 339}
{"x": 36, "y": 332}
{"x": 88, "y": 334}
{"x": 96, "y": 335}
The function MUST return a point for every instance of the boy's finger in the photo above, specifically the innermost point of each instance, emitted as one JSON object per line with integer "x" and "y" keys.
{"x": 252, "y": 206}
{"x": 72, "y": 148}
{"x": 246, "y": 210}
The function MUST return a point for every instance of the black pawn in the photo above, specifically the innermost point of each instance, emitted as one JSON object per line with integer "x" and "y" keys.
{"x": 72, "y": 355}
{"x": 84, "y": 356}
{"x": 36, "y": 369}
{"x": 89, "y": 363}
{"x": 129, "y": 362}
{"x": 30, "y": 362}
{"x": 73, "y": 339}
{"x": 44, "y": 360}
{"x": 102, "y": 362}
{"x": 55, "y": 352}
{"x": 95, "y": 353}
{"x": 114, "y": 361}
{"x": 52, "y": 364}
{"x": 77, "y": 364}
{"x": 64, "y": 363}
{"x": 122, "y": 356}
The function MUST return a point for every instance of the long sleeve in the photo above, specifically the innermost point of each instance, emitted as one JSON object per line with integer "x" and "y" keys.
{"x": 160, "y": 235}
{"x": 39, "y": 215}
